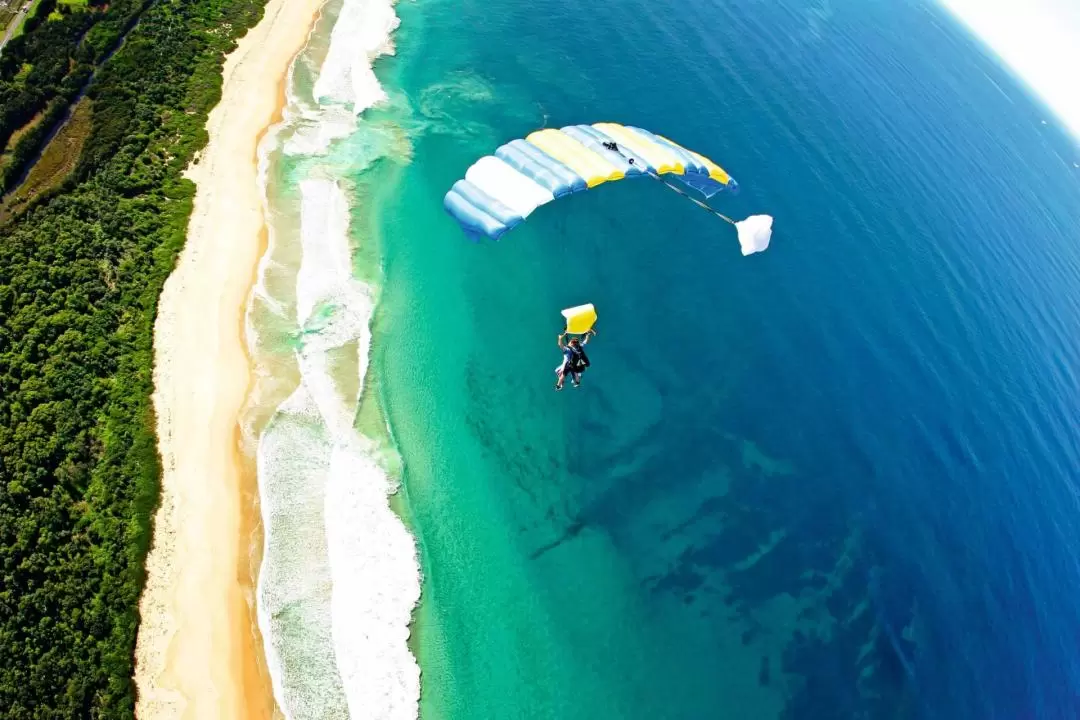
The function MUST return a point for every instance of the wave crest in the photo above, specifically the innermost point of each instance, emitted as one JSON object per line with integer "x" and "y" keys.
{"x": 339, "y": 576}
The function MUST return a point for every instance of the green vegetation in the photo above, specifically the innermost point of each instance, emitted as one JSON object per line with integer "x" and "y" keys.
{"x": 8, "y": 156}
{"x": 7, "y": 14}
{"x": 80, "y": 273}
{"x": 22, "y": 23}
{"x": 63, "y": 46}
{"x": 55, "y": 164}
{"x": 23, "y": 74}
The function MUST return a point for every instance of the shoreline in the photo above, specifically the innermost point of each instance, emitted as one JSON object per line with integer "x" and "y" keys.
{"x": 329, "y": 536}
{"x": 198, "y": 652}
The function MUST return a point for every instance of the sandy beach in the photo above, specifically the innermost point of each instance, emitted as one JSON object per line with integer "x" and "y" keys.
{"x": 198, "y": 653}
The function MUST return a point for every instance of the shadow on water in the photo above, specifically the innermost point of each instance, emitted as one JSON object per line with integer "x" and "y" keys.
{"x": 711, "y": 522}
{"x": 723, "y": 539}
{"x": 718, "y": 533}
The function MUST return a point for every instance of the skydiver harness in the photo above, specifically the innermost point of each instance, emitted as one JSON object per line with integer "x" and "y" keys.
{"x": 577, "y": 360}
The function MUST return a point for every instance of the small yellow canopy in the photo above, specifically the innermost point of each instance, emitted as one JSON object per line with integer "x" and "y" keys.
{"x": 579, "y": 319}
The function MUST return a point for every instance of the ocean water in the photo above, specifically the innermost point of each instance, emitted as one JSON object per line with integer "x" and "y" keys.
{"x": 833, "y": 480}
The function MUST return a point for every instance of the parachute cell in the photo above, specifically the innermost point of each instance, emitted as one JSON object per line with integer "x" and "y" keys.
{"x": 660, "y": 159}
{"x": 498, "y": 179}
{"x": 586, "y": 163}
{"x": 541, "y": 168}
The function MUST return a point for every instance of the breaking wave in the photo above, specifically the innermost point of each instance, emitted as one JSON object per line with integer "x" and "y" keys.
{"x": 339, "y": 576}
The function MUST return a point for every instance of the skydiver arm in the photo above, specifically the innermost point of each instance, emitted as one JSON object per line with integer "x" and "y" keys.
{"x": 562, "y": 340}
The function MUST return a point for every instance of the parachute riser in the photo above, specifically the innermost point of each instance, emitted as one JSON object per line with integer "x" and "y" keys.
{"x": 692, "y": 199}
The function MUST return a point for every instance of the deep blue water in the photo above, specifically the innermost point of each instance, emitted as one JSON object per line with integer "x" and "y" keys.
{"x": 835, "y": 480}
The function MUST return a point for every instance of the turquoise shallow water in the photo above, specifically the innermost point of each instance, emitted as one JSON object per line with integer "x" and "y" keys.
{"x": 833, "y": 480}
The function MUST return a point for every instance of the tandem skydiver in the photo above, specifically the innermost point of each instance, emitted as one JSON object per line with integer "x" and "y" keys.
{"x": 574, "y": 359}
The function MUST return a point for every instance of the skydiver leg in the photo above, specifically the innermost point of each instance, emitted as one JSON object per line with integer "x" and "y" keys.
{"x": 560, "y": 374}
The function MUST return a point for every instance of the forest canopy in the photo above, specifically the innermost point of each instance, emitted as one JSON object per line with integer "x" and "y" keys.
{"x": 80, "y": 272}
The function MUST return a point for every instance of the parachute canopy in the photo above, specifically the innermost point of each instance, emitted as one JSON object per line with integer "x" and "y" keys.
{"x": 579, "y": 319}
{"x": 499, "y": 191}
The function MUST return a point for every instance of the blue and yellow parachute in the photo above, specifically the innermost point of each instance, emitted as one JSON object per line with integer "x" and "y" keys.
{"x": 499, "y": 191}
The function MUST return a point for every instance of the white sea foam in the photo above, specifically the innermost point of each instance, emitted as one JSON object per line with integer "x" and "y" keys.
{"x": 346, "y": 84}
{"x": 294, "y": 596}
{"x": 314, "y": 132}
{"x": 372, "y": 556}
{"x": 361, "y": 34}
{"x": 307, "y": 127}
{"x": 340, "y": 575}
{"x": 376, "y": 585}
{"x": 325, "y": 269}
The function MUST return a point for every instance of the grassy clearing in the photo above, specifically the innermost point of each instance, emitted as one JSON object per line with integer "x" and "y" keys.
{"x": 5, "y": 156}
{"x": 55, "y": 164}
{"x": 22, "y": 22}
{"x": 6, "y": 16}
